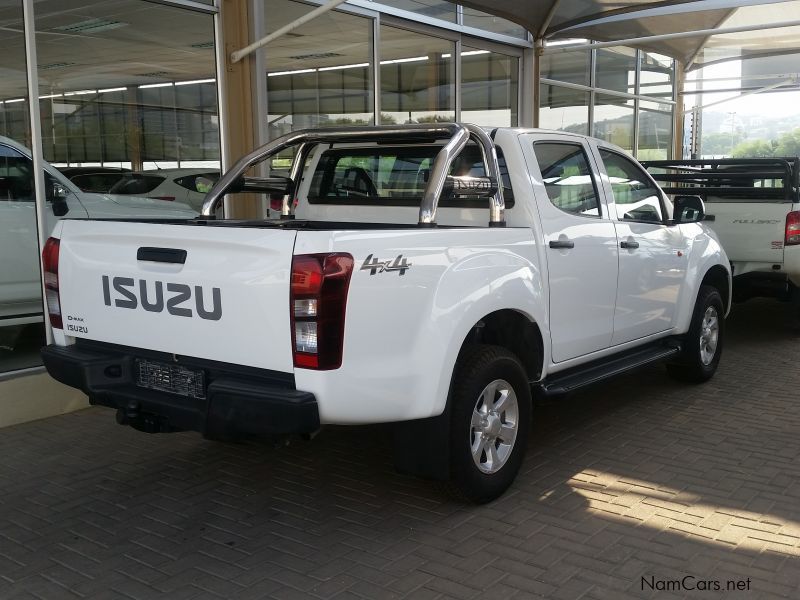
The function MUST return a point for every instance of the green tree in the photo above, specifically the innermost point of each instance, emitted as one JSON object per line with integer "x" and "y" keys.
{"x": 788, "y": 144}
{"x": 754, "y": 149}
{"x": 717, "y": 144}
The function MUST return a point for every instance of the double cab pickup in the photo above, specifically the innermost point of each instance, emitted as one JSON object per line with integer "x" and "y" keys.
{"x": 437, "y": 277}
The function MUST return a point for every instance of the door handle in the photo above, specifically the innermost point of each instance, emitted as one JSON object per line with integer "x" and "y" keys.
{"x": 562, "y": 244}
{"x": 629, "y": 245}
{"x": 164, "y": 255}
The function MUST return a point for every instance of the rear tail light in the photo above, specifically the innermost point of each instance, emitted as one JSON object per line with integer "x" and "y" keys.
{"x": 318, "y": 302}
{"x": 51, "y": 293}
{"x": 792, "y": 229}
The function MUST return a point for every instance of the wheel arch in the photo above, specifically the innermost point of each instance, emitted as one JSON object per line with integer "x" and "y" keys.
{"x": 717, "y": 276}
{"x": 515, "y": 331}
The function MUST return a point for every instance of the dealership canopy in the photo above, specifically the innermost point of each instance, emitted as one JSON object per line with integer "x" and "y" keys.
{"x": 717, "y": 29}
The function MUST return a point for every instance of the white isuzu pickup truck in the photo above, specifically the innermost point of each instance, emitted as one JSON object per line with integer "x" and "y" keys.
{"x": 436, "y": 277}
{"x": 755, "y": 205}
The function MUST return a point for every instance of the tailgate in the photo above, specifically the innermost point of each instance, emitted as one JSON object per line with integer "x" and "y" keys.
{"x": 228, "y": 301}
{"x": 750, "y": 231}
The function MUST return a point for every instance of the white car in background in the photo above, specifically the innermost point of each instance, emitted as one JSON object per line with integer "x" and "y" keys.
{"x": 20, "y": 288}
{"x": 174, "y": 185}
{"x": 98, "y": 180}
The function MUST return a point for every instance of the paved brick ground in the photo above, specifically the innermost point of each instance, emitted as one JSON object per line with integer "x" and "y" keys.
{"x": 640, "y": 478}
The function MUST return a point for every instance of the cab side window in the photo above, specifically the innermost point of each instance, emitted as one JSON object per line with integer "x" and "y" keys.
{"x": 567, "y": 178}
{"x": 636, "y": 198}
{"x": 16, "y": 176}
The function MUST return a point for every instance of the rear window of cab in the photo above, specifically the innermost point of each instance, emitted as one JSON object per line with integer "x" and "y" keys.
{"x": 134, "y": 183}
{"x": 394, "y": 176}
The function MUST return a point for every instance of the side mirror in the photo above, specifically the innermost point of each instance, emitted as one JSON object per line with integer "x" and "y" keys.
{"x": 57, "y": 195}
{"x": 688, "y": 209}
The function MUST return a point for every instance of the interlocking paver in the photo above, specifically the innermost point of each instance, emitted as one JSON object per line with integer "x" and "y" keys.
{"x": 637, "y": 478}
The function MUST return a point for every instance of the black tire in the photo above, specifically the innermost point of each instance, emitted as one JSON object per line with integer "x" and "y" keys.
{"x": 477, "y": 368}
{"x": 691, "y": 366}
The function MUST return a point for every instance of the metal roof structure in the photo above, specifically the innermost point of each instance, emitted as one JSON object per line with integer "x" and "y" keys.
{"x": 695, "y": 32}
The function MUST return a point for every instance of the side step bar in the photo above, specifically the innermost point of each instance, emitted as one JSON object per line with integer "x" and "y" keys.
{"x": 573, "y": 379}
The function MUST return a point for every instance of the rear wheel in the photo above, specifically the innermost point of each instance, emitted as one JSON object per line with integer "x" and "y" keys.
{"x": 702, "y": 345}
{"x": 490, "y": 421}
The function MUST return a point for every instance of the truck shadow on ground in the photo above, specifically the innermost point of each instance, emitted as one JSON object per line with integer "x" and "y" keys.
{"x": 637, "y": 478}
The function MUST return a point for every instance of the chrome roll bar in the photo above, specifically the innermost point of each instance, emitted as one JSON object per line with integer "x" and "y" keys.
{"x": 457, "y": 135}
{"x": 497, "y": 205}
{"x": 439, "y": 170}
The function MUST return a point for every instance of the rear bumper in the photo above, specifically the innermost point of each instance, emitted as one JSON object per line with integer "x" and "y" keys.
{"x": 236, "y": 403}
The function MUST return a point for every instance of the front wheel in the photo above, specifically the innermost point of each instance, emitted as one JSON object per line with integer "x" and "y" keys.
{"x": 702, "y": 345}
{"x": 490, "y": 421}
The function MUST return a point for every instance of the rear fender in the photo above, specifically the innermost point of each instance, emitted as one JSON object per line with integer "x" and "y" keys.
{"x": 403, "y": 332}
{"x": 475, "y": 288}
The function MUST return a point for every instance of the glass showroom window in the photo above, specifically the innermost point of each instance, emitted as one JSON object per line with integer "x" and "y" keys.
{"x": 657, "y": 75}
{"x": 571, "y": 67}
{"x": 564, "y": 109}
{"x": 655, "y": 131}
{"x": 616, "y": 69}
{"x": 21, "y": 322}
{"x": 179, "y": 124}
{"x": 114, "y": 97}
{"x": 417, "y": 77}
{"x": 321, "y": 75}
{"x": 613, "y": 120}
{"x": 436, "y": 9}
{"x": 197, "y": 123}
{"x": 90, "y": 57}
{"x": 489, "y": 88}
{"x": 487, "y": 22}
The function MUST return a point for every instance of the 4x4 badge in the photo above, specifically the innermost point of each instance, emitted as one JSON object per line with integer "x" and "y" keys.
{"x": 373, "y": 265}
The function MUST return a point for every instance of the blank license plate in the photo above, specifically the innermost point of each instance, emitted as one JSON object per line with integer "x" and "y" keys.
{"x": 170, "y": 378}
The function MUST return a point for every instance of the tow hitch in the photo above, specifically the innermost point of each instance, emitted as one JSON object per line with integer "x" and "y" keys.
{"x": 146, "y": 422}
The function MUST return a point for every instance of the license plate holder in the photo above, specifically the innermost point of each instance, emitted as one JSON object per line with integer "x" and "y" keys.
{"x": 170, "y": 378}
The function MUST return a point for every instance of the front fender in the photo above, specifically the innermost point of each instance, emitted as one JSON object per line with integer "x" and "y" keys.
{"x": 705, "y": 252}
